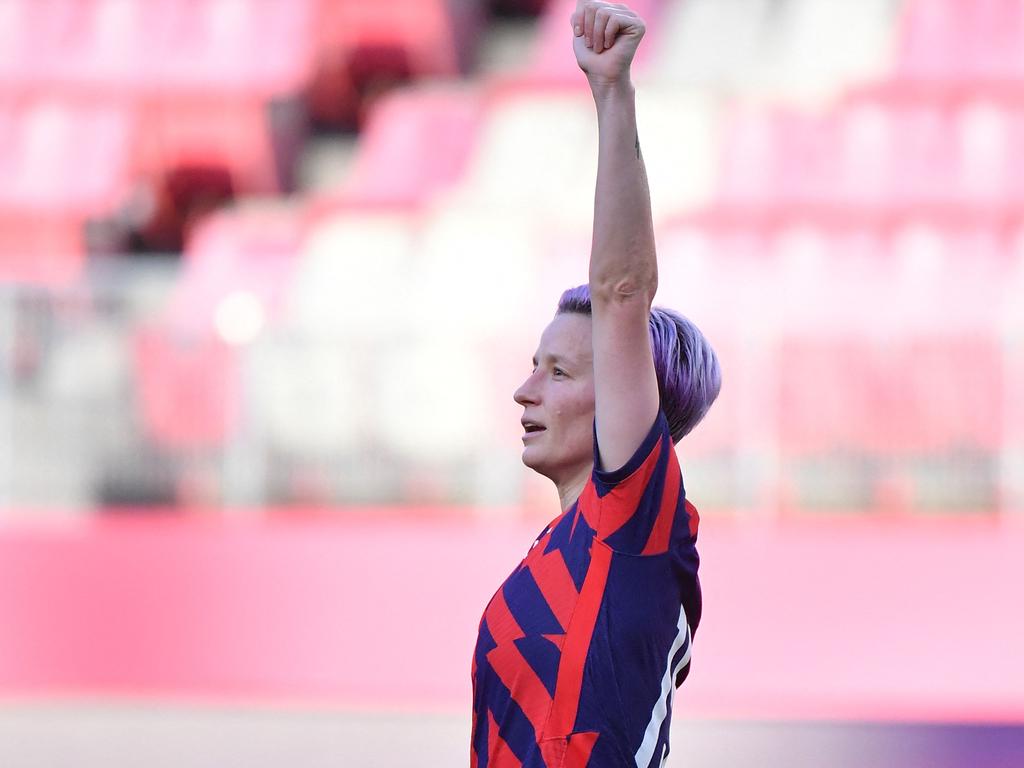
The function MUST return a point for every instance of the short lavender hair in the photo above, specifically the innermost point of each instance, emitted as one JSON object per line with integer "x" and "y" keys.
{"x": 689, "y": 377}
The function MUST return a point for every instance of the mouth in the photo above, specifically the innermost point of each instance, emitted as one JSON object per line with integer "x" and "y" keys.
{"x": 531, "y": 429}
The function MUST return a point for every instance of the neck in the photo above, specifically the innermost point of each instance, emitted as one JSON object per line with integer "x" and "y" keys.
{"x": 570, "y": 488}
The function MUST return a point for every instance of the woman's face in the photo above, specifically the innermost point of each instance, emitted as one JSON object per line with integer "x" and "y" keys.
{"x": 558, "y": 400}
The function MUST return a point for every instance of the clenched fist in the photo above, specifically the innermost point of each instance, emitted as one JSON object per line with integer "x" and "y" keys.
{"x": 606, "y": 36}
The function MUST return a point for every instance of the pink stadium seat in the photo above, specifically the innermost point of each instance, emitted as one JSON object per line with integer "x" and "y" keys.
{"x": 228, "y": 252}
{"x": 36, "y": 35}
{"x": 188, "y": 388}
{"x": 880, "y": 156}
{"x": 922, "y": 396}
{"x": 51, "y": 186}
{"x": 157, "y": 47}
{"x": 187, "y": 373}
{"x": 805, "y": 153}
{"x": 826, "y": 395}
{"x": 45, "y": 167}
{"x": 748, "y": 159}
{"x": 992, "y": 141}
{"x": 414, "y": 143}
{"x": 940, "y": 394}
{"x": 40, "y": 249}
{"x": 779, "y": 163}
{"x": 260, "y": 49}
{"x": 961, "y": 40}
{"x": 958, "y": 155}
{"x": 923, "y": 158}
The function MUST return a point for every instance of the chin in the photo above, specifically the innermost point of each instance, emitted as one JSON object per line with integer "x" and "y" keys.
{"x": 534, "y": 462}
{"x": 530, "y": 460}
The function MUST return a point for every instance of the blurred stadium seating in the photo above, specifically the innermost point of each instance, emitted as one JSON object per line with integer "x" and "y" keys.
{"x": 275, "y": 267}
{"x": 837, "y": 189}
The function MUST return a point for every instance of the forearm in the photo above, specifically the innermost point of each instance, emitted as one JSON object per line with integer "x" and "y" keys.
{"x": 623, "y": 261}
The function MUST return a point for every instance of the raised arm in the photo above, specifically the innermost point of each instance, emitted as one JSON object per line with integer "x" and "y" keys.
{"x": 623, "y": 261}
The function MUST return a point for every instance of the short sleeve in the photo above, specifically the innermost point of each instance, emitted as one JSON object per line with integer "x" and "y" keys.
{"x": 640, "y": 508}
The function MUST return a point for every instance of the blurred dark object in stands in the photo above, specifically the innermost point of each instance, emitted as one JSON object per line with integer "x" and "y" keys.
{"x": 517, "y": 8}
{"x": 137, "y": 480}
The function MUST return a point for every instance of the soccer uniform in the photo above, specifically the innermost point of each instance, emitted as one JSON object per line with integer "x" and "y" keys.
{"x": 580, "y": 650}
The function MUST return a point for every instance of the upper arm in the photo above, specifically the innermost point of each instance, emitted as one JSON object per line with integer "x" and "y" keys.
{"x": 625, "y": 382}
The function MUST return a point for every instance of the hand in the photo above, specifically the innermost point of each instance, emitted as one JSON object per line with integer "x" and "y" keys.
{"x": 606, "y": 36}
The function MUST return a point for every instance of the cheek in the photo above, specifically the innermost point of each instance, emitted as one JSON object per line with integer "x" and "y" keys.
{"x": 582, "y": 414}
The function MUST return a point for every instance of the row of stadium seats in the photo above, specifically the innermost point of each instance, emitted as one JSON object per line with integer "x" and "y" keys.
{"x": 51, "y": 184}
{"x": 117, "y": 109}
{"x": 917, "y": 396}
{"x": 813, "y": 45}
{"x": 794, "y": 49}
{"x": 165, "y": 48}
{"x": 863, "y": 159}
{"x": 69, "y": 61}
{"x": 931, "y": 395}
{"x": 871, "y": 157}
{"x": 876, "y": 154}
{"x": 949, "y": 42}
{"x": 167, "y": 57}
{"x": 408, "y": 274}
{"x": 171, "y": 48}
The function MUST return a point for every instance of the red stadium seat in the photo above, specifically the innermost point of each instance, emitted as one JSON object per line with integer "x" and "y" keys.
{"x": 424, "y": 29}
{"x": 364, "y": 47}
{"x": 209, "y": 131}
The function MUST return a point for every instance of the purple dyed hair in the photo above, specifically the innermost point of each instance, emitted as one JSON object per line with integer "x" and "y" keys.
{"x": 689, "y": 377}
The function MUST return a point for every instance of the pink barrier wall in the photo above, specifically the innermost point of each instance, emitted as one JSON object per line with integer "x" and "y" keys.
{"x": 834, "y": 618}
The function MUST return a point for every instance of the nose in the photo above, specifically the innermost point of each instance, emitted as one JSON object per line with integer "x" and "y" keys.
{"x": 527, "y": 392}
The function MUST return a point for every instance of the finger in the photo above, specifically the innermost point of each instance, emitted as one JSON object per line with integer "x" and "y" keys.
{"x": 589, "y": 11}
{"x": 611, "y": 31}
{"x": 600, "y": 23}
{"x": 576, "y": 20}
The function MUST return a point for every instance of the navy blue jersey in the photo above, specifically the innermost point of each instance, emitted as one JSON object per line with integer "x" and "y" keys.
{"x": 580, "y": 650}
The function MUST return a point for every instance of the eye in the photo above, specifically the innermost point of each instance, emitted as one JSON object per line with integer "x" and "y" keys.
{"x": 558, "y": 372}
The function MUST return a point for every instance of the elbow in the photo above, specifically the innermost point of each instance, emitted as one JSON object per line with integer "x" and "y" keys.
{"x": 623, "y": 289}
{"x": 624, "y": 274}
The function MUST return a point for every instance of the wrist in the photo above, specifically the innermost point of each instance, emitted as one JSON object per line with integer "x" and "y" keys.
{"x": 605, "y": 90}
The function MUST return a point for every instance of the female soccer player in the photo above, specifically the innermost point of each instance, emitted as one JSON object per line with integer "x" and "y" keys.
{"x": 580, "y": 650}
